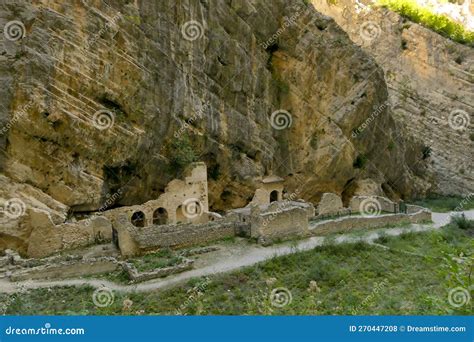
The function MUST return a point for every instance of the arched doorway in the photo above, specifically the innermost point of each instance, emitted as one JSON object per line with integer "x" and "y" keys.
{"x": 160, "y": 216}
{"x": 138, "y": 219}
{"x": 274, "y": 196}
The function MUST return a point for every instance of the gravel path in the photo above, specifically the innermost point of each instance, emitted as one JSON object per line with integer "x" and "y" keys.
{"x": 232, "y": 257}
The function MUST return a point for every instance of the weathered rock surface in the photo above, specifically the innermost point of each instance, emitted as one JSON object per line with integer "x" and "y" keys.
{"x": 431, "y": 90}
{"x": 99, "y": 99}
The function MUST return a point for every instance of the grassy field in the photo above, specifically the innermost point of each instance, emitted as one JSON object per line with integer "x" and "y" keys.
{"x": 446, "y": 204}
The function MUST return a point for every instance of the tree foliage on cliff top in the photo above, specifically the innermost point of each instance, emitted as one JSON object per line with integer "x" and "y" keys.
{"x": 441, "y": 24}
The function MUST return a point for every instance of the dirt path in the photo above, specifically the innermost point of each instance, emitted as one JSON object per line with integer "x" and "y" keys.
{"x": 232, "y": 257}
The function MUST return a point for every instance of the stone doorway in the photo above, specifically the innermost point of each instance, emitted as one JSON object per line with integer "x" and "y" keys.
{"x": 274, "y": 196}
{"x": 160, "y": 216}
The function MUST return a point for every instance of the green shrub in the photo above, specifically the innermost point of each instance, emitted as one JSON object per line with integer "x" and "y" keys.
{"x": 462, "y": 222}
{"x": 360, "y": 161}
{"x": 444, "y": 204}
{"x": 441, "y": 24}
{"x": 182, "y": 153}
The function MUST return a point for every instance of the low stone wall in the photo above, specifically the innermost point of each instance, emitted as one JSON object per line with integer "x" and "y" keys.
{"x": 136, "y": 276}
{"x": 351, "y": 223}
{"x": 135, "y": 241}
{"x": 333, "y": 215}
{"x": 67, "y": 269}
{"x": 412, "y": 209}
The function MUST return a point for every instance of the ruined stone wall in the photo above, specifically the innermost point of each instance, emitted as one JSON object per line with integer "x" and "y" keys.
{"x": 373, "y": 204}
{"x": 329, "y": 204}
{"x": 348, "y": 224}
{"x": 184, "y": 200}
{"x": 133, "y": 240}
{"x": 46, "y": 238}
{"x": 281, "y": 224}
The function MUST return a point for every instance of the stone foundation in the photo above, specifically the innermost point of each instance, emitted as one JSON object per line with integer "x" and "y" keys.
{"x": 67, "y": 269}
{"x": 136, "y": 276}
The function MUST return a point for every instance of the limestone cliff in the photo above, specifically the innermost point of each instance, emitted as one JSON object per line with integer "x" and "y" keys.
{"x": 431, "y": 90}
{"x": 100, "y": 98}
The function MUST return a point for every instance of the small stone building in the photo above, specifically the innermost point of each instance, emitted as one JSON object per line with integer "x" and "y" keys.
{"x": 270, "y": 190}
{"x": 275, "y": 221}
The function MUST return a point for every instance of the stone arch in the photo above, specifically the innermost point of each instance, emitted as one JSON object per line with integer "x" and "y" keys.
{"x": 138, "y": 219}
{"x": 274, "y": 196}
{"x": 160, "y": 216}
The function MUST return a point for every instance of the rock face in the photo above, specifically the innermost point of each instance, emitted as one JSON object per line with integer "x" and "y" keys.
{"x": 104, "y": 98}
{"x": 431, "y": 90}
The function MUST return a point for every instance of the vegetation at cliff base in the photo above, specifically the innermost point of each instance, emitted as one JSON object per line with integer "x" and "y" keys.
{"x": 412, "y": 274}
{"x": 439, "y": 23}
{"x": 444, "y": 204}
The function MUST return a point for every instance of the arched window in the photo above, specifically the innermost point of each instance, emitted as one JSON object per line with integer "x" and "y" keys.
{"x": 138, "y": 219}
{"x": 160, "y": 216}
{"x": 274, "y": 196}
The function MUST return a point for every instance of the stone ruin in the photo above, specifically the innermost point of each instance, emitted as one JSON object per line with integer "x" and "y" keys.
{"x": 184, "y": 201}
{"x": 180, "y": 218}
